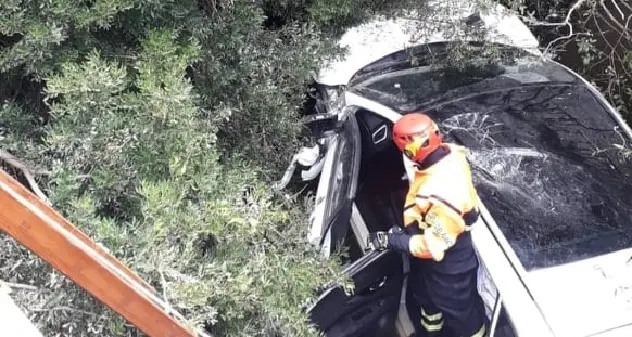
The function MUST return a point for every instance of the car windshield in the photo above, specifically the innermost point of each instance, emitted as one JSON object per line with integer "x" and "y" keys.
{"x": 550, "y": 162}
{"x": 404, "y": 86}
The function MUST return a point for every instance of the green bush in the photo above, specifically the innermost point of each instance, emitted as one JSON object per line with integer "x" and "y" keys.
{"x": 156, "y": 127}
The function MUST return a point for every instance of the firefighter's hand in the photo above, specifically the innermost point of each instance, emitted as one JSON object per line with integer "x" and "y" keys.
{"x": 417, "y": 246}
{"x": 395, "y": 238}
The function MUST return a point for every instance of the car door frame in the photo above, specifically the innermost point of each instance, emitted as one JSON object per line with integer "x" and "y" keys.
{"x": 326, "y": 125}
{"x": 329, "y": 223}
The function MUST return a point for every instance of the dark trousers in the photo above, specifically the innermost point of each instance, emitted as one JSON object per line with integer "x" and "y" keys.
{"x": 443, "y": 297}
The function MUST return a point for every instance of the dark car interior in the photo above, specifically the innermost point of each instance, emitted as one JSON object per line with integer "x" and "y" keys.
{"x": 381, "y": 189}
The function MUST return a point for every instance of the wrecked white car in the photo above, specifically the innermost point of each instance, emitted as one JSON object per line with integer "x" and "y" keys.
{"x": 549, "y": 156}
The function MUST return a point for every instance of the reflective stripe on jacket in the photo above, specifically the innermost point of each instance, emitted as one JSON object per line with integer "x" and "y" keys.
{"x": 442, "y": 196}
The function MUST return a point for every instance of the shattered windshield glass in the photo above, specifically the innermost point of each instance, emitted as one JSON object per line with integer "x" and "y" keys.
{"x": 551, "y": 164}
{"x": 552, "y": 167}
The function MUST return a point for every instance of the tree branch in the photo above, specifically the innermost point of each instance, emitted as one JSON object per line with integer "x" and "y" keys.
{"x": 67, "y": 309}
{"x": 611, "y": 16}
{"x": 163, "y": 281}
{"x": 17, "y": 285}
{"x": 566, "y": 22}
{"x": 13, "y": 161}
{"x": 614, "y": 2}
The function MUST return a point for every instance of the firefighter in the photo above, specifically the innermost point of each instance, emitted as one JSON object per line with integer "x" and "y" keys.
{"x": 440, "y": 207}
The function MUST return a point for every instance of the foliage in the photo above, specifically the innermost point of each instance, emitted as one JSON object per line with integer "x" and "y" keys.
{"x": 156, "y": 127}
{"x": 149, "y": 125}
{"x": 594, "y": 38}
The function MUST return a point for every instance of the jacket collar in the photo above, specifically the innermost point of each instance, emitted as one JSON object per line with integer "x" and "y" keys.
{"x": 438, "y": 154}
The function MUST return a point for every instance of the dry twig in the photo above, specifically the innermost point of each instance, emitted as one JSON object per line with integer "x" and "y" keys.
{"x": 14, "y": 162}
{"x": 18, "y": 285}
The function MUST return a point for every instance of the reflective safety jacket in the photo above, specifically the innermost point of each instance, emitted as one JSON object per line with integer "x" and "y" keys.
{"x": 442, "y": 200}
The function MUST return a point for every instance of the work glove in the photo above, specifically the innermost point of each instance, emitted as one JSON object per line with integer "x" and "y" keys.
{"x": 395, "y": 238}
{"x": 424, "y": 246}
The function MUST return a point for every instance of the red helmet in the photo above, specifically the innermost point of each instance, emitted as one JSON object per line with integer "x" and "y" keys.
{"x": 417, "y": 136}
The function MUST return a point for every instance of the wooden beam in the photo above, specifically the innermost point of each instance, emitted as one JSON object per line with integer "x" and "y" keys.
{"x": 46, "y": 233}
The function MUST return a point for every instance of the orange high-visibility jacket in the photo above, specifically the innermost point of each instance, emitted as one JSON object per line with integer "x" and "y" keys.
{"x": 442, "y": 199}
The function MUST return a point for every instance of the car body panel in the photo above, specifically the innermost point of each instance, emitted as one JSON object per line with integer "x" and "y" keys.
{"x": 620, "y": 331}
{"x": 586, "y": 297}
{"x": 500, "y": 272}
{"x": 378, "y": 38}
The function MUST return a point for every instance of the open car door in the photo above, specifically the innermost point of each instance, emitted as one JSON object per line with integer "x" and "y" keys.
{"x": 334, "y": 159}
{"x": 371, "y": 309}
{"x": 330, "y": 220}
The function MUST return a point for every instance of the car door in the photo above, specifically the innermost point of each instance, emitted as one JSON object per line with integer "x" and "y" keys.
{"x": 371, "y": 310}
{"x": 330, "y": 219}
{"x": 334, "y": 160}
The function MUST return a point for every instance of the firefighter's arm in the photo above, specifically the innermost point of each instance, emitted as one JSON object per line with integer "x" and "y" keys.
{"x": 442, "y": 234}
{"x": 416, "y": 244}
